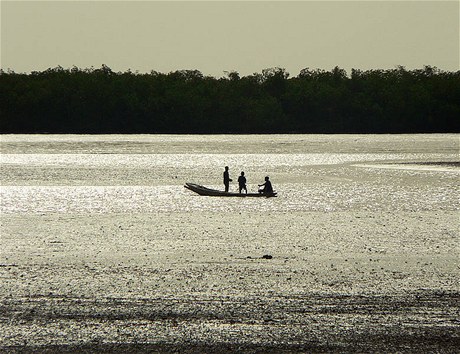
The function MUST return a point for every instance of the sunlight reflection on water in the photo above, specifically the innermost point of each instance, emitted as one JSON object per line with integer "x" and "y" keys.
{"x": 194, "y": 160}
{"x": 133, "y": 199}
{"x": 113, "y": 179}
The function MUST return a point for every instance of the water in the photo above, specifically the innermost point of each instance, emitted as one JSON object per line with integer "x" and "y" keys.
{"x": 144, "y": 173}
{"x": 101, "y": 243}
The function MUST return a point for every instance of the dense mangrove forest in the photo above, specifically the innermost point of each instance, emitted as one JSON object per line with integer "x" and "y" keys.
{"x": 99, "y": 100}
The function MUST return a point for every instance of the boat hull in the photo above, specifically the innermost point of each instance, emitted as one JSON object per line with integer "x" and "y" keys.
{"x": 202, "y": 190}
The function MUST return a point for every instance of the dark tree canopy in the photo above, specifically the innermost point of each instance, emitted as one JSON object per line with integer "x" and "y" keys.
{"x": 100, "y": 100}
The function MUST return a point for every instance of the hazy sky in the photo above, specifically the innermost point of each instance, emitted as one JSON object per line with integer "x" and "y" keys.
{"x": 218, "y": 36}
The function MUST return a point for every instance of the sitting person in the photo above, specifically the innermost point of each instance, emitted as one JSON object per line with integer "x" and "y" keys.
{"x": 268, "y": 189}
{"x": 242, "y": 183}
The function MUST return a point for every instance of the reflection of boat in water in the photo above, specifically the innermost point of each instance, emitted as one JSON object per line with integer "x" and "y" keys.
{"x": 201, "y": 190}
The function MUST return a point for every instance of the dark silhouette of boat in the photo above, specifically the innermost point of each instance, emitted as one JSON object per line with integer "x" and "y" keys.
{"x": 202, "y": 190}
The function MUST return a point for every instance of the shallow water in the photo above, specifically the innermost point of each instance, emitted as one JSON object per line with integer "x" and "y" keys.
{"x": 115, "y": 174}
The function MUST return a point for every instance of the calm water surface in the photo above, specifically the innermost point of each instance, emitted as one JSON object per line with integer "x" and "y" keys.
{"x": 146, "y": 173}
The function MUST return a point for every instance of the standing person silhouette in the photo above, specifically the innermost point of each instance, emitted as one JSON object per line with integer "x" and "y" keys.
{"x": 242, "y": 183}
{"x": 268, "y": 189}
{"x": 227, "y": 179}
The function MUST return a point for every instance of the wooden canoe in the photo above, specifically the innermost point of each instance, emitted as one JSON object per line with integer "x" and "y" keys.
{"x": 202, "y": 190}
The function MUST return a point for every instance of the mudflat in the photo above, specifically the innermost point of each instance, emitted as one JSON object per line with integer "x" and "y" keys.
{"x": 341, "y": 281}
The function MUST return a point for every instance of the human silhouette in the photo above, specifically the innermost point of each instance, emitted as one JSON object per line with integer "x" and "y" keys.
{"x": 268, "y": 189}
{"x": 227, "y": 179}
{"x": 242, "y": 183}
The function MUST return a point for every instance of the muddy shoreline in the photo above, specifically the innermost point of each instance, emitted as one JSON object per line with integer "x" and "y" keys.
{"x": 361, "y": 282}
{"x": 425, "y": 320}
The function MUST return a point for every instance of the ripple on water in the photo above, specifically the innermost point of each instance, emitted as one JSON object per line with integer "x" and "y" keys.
{"x": 198, "y": 160}
{"x": 319, "y": 196}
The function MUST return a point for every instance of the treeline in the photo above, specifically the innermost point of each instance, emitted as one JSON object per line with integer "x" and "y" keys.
{"x": 99, "y": 100}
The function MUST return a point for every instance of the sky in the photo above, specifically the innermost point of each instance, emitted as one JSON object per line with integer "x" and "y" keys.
{"x": 222, "y": 36}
